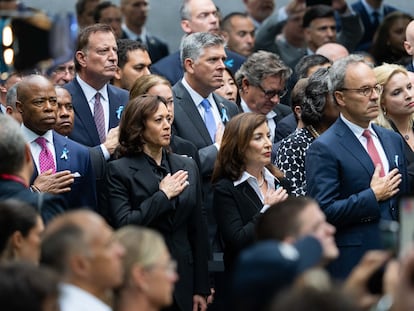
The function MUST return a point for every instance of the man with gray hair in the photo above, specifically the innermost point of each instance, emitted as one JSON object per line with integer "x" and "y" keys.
{"x": 11, "y": 98}
{"x": 355, "y": 169}
{"x": 16, "y": 169}
{"x": 261, "y": 81}
{"x": 199, "y": 114}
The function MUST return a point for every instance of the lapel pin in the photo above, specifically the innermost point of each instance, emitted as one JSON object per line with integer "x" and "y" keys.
{"x": 65, "y": 154}
{"x": 119, "y": 112}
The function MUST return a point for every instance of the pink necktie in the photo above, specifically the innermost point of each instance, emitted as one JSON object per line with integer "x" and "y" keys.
{"x": 99, "y": 117}
{"x": 46, "y": 161}
{"x": 372, "y": 151}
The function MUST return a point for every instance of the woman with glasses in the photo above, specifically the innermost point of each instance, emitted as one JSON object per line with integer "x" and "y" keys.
{"x": 318, "y": 113}
{"x": 149, "y": 271}
{"x": 152, "y": 187}
{"x": 397, "y": 107}
{"x": 245, "y": 182}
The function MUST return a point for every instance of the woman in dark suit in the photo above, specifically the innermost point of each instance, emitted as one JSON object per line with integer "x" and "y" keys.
{"x": 245, "y": 183}
{"x": 152, "y": 187}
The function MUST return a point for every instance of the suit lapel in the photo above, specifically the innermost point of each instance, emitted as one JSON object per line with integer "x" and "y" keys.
{"x": 224, "y": 113}
{"x": 348, "y": 140}
{"x": 63, "y": 154}
{"x": 115, "y": 108}
{"x": 143, "y": 174}
{"x": 250, "y": 195}
{"x": 187, "y": 105}
{"x": 83, "y": 112}
{"x": 388, "y": 147}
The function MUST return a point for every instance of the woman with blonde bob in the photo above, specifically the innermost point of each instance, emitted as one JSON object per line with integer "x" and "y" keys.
{"x": 397, "y": 107}
{"x": 149, "y": 271}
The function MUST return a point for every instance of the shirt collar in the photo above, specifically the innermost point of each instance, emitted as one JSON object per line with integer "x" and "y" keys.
{"x": 270, "y": 115}
{"x": 32, "y": 136}
{"x": 371, "y": 10}
{"x": 196, "y": 97}
{"x": 134, "y": 36}
{"x": 356, "y": 129}
{"x": 245, "y": 176}
{"x": 90, "y": 92}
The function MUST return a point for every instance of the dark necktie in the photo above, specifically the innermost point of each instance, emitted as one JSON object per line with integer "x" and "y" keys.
{"x": 209, "y": 119}
{"x": 46, "y": 161}
{"x": 375, "y": 19}
{"x": 373, "y": 152}
{"x": 99, "y": 117}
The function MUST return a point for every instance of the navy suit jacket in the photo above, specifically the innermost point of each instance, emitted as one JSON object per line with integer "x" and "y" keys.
{"x": 46, "y": 204}
{"x": 157, "y": 48}
{"x": 410, "y": 67}
{"x": 338, "y": 176}
{"x": 83, "y": 190}
{"x": 84, "y": 130}
{"x": 366, "y": 41}
{"x": 171, "y": 67}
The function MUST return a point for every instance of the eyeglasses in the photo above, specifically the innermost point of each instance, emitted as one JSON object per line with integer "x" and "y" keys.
{"x": 272, "y": 93}
{"x": 367, "y": 90}
{"x": 65, "y": 69}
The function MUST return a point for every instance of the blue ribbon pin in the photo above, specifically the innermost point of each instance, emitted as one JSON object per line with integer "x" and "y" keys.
{"x": 224, "y": 117}
{"x": 119, "y": 112}
{"x": 65, "y": 154}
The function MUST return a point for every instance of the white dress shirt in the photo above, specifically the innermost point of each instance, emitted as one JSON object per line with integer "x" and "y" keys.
{"x": 73, "y": 298}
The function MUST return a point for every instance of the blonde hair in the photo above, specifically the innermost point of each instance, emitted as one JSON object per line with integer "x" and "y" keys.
{"x": 383, "y": 74}
{"x": 143, "y": 84}
{"x": 143, "y": 246}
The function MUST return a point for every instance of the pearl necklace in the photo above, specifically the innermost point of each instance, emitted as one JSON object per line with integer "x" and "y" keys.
{"x": 313, "y": 131}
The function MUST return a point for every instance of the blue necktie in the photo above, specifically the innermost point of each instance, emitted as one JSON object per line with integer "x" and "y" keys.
{"x": 209, "y": 118}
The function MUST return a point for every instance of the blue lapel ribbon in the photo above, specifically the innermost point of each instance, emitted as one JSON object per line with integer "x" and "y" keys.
{"x": 65, "y": 154}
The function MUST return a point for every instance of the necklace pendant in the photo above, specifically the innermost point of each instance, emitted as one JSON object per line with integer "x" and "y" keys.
{"x": 407, "y": 137}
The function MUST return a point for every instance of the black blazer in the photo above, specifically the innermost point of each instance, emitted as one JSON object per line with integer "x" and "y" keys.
{"x": 237, "y": 210}
{"x": 134, "y": 198}
{"x": 157, "y": 48}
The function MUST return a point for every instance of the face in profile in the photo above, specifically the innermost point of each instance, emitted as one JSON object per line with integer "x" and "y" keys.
{"x": 229, "y": 88}
{"x": 27, "y": 248}
{"x": 160, "y": 278}
{"x": 398, "y": 96}
{"x": 65, "y": 113}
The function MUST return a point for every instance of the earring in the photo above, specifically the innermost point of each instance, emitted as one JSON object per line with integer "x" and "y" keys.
{"x": 384, "y": 111}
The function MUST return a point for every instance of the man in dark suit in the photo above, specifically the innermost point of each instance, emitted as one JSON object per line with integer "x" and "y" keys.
{"x": 133, "y": 62}
{"x": 51, "y": 152}
{"x": 97, "y": 104}
{"x": 356, "y": 170}
{"x": 203, "y": 61}
{"x": 261, "y": 81}
{"x": 16, "y": 169}
{"x": 135, "y": 15}
{"x": 371, "y": 13}
{"x": 171, "y": 66}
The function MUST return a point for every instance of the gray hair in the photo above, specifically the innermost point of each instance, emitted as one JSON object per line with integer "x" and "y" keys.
{"x": 185, "y": 12}
{"x": 12, "y": 145}
{"x": 11, "y": 96}
{"x": 319, "y": 86}
{"x": 338, "y": 70}
{"x": 261, "y": 65}
{"x": 193, "y": 45}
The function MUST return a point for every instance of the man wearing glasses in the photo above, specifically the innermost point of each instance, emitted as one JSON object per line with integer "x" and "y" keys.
{"x": 261, "y": 81}
{"x": 356, "y": 170}
{"x": 63, "y": 73}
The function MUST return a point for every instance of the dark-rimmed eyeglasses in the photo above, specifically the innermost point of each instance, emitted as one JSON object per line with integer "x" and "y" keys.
{"x": 366, "y": 90}
{"x": 272, "y": 93}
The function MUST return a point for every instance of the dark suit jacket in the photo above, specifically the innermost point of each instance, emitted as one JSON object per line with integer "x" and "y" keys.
{"x": 134, "y": 198}
{"x": 366, "y": 41}
{"x": 183, "y": 146}
{"x": 410, "y": 67}
{"x": 83, "y": 190}
{"x": 46, "y": 204}
{"x": 285, "y": 127}
{"x": 237, "y": 210}
{"x": 338, "y": 176}
{"x": 171, "y": 67}
{"x": 157, "y": 48}
{"x": 189, "y": 125}
{"x": 84, "y": 130}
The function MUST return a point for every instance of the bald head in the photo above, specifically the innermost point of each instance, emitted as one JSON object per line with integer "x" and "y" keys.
{"x": 332, "y": 51}
{"x": 409, "y": 39}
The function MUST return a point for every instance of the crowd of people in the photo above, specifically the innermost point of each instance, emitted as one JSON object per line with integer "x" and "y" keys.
{"x": 254, "y": 169}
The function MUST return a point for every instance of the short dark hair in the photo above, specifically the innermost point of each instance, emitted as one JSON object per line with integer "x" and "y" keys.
{"x": 315, "y": 12}
{"x": 81, "y": 5}
{"x": 125, "y": 46}
{"x": 24, "y": 286}
{"x": 100, "y": 7}
{"x": 15, "y": 216}
{"x": 309, "y": 61}
{"x": 225, "y": 23}
{"x": 281, "y": 220}
{"x": 84, "y": 35}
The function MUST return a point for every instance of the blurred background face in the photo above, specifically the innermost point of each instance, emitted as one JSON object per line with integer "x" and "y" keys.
{"x": 63, "y": 73}
{"x": 135, "y": 12}
{"x": 396, "y": 34}
{"x": 204, "y": 17}
{"x": 166, "y": 92}
{"x": 112, "y": 16}
{"x": 229, "y": 88}
{"x": 259, "y": 9}
{"x": 241, "y": 36}
{"x": 29, "y": 248}
{"x": 65, "y": 113}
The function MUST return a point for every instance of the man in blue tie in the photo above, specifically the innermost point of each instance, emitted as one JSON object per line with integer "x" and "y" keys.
{"x": 199, "y": 114}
